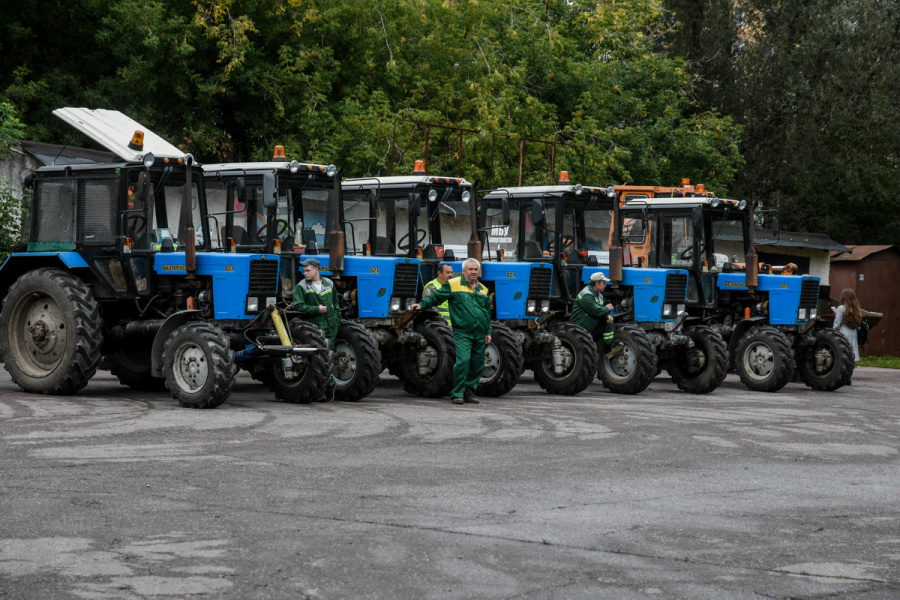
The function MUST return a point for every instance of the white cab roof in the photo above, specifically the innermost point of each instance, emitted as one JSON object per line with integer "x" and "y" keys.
{"x": 113, "y": 131}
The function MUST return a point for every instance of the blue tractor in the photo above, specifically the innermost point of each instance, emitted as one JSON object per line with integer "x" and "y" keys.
{"x": 119, "y": 266}
{"x": 571, "y": 227}
{"x": 769, "y": 318}
{"x": 344, "y": 227}
{"x": 429, "y": 219}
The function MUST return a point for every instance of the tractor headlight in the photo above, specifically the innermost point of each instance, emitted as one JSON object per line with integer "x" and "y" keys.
{"x": 295, "y": 166}
{"x": 531, "y": 306}
{"x": 148, "y": 160}
{"x": 715, "y": 202}
{"x": 466, "y": 196}
{"x": 331, "y": 170}
{"x": 813, "y": 313}
{"x": 270, "y": 300}
{"x": 668, "y": 311}
{"x": 681, "y": 308}
{"x": 742, "y": 205}
{"x": 410, "y": 302}
{"x": 545, "y": 306}
{"x": 432, "y": 195}
{"x": 395, "y": 304}
{"x": 252, "y": 305}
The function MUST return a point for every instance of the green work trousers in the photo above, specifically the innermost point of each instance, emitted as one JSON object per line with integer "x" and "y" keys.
{"x": 469, "y": 365}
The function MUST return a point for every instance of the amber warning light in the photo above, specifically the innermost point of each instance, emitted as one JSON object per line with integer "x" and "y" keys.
{"x": 137, "y": 140}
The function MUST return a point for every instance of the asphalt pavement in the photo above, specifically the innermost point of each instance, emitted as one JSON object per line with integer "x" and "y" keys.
{"x": 120, "y": 494}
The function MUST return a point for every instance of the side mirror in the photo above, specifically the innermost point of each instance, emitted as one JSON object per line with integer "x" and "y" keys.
{"x": 504, "y": 210}
{"x": 269, "y": 191}
{"x": 776, "y": 227}
{"x": 414, "y": 208}
{"x": 240, "y": 187}
{"x": 537, "y": 211}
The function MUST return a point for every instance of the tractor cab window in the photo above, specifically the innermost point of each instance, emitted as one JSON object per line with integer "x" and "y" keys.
{"x": 357, "y": 220}
{"x": 723, "y": 239}
{"x": 302, "y": 216}
{"x": 638, "y": 242}
{"x": 453, "y": 225}
{"x": 676, "y": 243}
{"x": 392, "y": 230}
{"x": 164, "y": 211}
{"x": 497, "y": 235}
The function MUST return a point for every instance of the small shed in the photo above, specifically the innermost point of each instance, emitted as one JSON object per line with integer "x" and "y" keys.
{"x": 871, "y": 271}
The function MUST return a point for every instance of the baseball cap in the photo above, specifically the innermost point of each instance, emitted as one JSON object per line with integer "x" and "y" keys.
{"x": 598, "y": 276}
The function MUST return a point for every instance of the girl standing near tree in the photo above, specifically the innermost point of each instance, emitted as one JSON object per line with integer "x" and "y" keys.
{"x": 847, "y": 318}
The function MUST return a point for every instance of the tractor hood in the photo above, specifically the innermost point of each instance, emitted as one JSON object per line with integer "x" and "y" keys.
{"x": 114, "y": 131}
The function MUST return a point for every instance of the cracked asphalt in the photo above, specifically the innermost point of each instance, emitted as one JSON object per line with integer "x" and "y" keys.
{"x": 121, "y": 494}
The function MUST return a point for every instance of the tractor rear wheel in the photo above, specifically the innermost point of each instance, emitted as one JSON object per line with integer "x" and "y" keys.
{"x": 356, "y": 362}
{"x": 702, "y": 366}
{"x": 764, "y": 359}
{"x": 632, "y": 368}
{"x": 198, "y": 365}
{"x": 568, "y": 366}
{"x": 50, "y": 332}
{"x": 827, "y": 365}
{"x": 503, "y": 363}
{"x": 429, "y": 372}
{"x": 305, "y": 380}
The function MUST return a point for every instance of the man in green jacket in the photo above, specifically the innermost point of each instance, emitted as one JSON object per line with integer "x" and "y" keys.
{"x": 444, "y": 273}
{"x": 591, "y": 313}
{"x": 316, "y": 299}
{"x": 470, "y": 310}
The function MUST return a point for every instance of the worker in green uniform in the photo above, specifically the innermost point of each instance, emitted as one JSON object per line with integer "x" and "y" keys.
{"x": 316, "y": 299}
{"x": 591, "y": 313}
{"x": 470, "y": 310}
{"x": 444, "y": 273}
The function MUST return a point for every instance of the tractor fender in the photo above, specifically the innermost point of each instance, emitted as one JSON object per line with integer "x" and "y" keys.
{"x": 172, "y": 322}
{"x": 740, "y": 329}
{"x": 19, "y": 263}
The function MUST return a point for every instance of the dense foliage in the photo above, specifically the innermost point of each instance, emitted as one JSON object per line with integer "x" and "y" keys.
{"x": 355, "y": 83}
{"x": 815, "y": 84}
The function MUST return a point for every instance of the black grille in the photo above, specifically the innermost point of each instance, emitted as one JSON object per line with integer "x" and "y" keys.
{"x": 541, "y": 280}
{"x": 809, "y": 293}
{"x": 676, "y": 287}
{"x": 263, "y": 277}
{"x": 406, "y": 279}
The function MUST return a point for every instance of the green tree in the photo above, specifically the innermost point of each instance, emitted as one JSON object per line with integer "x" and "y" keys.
{"x": 815, "y": 85}
{"x": 354, "y": 83}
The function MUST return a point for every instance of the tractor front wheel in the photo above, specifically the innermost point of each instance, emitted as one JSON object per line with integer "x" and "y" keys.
{"x": 305, "y": 379}
{"x": 764, "y": 359}
{"x": 702, "y": 366}
{"x": 198, "y": 365}
{"x": 503, "y": 363}
{"x": 357, "y": 362}
{"x": 828, "y": 364}
{"x": 568, "y": 366}
{"x": 633, "y": 366}
{"x": 429, "y": 372}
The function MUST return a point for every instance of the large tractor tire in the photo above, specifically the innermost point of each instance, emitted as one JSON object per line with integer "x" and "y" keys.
{"x": 198, "y": 365}
{"x": 306, "y": 379}
{"x": 430, "y": 372}
{"x": 702, "y": 366}
{"x": 828, "y": 364}
{"x": 764, "y": 360}
{"x": 50, "y": 332}
{"x": 132, "y": 368}
{"x": 568, "y": 366}
{"x": 357, "y": 362}
{"x": 503, "y": 360}
{"x": 631, "y": 369}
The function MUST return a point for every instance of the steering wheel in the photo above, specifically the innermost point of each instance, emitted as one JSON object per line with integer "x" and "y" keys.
{"x": 688, "y": 253}
{"x": 281, "y": 226}
{"x": 421, "y": 234}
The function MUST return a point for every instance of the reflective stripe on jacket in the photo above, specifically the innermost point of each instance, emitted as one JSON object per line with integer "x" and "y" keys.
{"x": 444, "y": 307}
{"x": 469, "y": 310}
{"x": 306, "y": 301}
